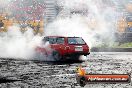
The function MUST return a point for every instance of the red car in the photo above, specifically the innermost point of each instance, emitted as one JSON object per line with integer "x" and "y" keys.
{"x": 62, "y": 47}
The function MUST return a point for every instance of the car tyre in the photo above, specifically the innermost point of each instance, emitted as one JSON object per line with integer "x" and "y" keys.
{"x": 82, "y": 82}
{"x": 56, "y": 55}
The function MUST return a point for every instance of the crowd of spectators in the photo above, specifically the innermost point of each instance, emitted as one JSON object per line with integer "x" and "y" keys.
{"x": 5, "y": 22}
{"x": 35, "y": 25}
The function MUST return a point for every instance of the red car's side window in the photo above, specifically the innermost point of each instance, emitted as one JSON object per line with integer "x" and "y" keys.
{"x": 76, "y": 40}
{"x": 54, "y": 40}
{"x": 60, "y": 40}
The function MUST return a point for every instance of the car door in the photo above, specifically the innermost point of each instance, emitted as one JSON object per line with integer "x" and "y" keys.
{"x": 60, "y": 45}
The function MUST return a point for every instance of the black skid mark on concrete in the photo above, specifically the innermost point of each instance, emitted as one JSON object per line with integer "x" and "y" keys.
{"x": 7, "y": 80}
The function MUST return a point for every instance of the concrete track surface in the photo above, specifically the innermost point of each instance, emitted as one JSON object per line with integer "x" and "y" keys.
{"x": 16, "y": 73}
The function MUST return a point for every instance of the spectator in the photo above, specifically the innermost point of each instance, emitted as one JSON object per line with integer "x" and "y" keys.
{"x": 1, "y": 24}
{"x": 35, "y": 26}
{"x": 38, "y": 27}
{"x": 23, "y": 26}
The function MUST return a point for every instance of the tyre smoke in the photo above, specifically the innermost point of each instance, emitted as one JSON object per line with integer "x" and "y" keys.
{"x": 15, "y": 44}
{"x": 93, "y": 20}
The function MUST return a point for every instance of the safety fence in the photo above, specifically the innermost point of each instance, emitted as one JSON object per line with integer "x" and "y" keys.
{"x": 124, "y": 36}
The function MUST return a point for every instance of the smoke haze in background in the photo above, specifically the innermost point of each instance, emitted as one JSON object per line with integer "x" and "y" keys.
{"x": 14, "y": 44}
{"x": 94, "y": 21}
{"x": 4, "y": 3}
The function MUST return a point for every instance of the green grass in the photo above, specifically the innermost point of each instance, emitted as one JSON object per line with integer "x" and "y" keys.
{"x": 127, "y": 45}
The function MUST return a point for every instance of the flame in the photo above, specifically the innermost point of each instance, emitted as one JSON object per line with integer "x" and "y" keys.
{"x": 81, "y": 71}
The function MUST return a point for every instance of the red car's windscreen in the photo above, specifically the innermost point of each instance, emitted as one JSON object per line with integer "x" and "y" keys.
{"x": 76, "y": 40}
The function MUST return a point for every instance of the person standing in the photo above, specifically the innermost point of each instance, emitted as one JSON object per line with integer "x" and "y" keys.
{"x": 38, "y": 27}
{"x": 1, "y": 25}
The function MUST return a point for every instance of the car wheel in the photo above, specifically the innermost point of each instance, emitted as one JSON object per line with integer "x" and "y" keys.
{"x": 82, "y": 82}
{"x": 75, "y": 58}
{"x": 56, "y": 55}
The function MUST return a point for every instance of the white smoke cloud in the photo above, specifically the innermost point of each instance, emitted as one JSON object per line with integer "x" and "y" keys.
{"x": 95, "y": 26}
{"x": 14, "y": 44}
{"x": 95, "y": 22}
{"x": 4, "y": 3}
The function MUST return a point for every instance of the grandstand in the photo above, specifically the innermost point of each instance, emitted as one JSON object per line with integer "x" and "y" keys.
{"x": 35, "y": 14}
{"x": 41, "y": 12}
{"x": 124, "y": 24}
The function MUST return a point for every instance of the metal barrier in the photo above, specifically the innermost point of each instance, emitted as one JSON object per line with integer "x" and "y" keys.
{"x": 123, "y": 36}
